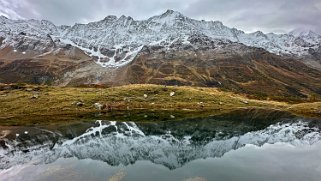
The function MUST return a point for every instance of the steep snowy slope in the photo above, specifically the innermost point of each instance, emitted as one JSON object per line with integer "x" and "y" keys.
{"x": 31, "y": 35}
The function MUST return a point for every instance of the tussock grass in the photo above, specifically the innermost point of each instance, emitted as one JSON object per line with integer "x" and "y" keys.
{"x": 308, "y": 109}
{"x": 53, "y": 101}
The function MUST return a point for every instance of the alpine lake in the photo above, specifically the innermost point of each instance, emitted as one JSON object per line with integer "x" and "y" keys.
{"x": 243, "y": 145}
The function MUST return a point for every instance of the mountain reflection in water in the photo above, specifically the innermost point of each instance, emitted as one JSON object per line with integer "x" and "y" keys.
{"x": 171, "y": 144}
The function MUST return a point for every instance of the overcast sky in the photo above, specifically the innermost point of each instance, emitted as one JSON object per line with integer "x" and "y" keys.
{"x": 278, "y": 16}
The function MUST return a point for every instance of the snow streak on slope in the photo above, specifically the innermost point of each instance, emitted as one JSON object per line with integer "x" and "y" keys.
{"x": 124, "y": 143}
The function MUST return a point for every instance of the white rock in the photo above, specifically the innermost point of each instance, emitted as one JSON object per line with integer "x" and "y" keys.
{"x": 244, "y": 101}
{"x": 98, "y": 106}
{"x": 35, "y": 96}
{"x": 79, "y": 104}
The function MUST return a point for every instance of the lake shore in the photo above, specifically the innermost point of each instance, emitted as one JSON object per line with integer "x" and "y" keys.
{"x": 21, "y": 101}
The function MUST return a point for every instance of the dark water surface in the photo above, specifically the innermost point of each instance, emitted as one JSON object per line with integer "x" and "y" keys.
{"x": 241, "y": 145}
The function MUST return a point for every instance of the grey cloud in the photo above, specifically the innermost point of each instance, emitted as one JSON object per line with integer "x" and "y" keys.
{"x": 82, "y": 11}
{"x": 269, "y": 16}
{"x": 248, "y": 15}
{"x": 9, "y": 9}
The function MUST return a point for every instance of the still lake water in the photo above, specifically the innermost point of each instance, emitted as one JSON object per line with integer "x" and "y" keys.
{"x": 243, "y": 145}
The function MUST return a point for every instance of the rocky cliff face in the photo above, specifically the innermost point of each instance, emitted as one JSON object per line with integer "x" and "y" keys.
{"x": 166, "y": 49}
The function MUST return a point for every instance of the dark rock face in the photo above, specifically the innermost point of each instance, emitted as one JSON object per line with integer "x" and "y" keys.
{"x": 1, "y": 40}
{"x": 107, "y": 52}
{"x": 25, "y": 71}
{"x": 39, "y": 69}
{"x": 22, "y": 33}
{"x": 316, "y": 54}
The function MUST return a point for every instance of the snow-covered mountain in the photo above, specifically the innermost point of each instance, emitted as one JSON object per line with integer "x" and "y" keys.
{"x": 114, "y": 42}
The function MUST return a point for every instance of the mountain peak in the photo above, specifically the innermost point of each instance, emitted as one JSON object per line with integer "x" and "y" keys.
{"x": 3, "y": 17}
{"x": 123, "y": 17}
{"x": 302, "y": 32}
{"x": 259, "y": 34}
{"x": 170, "y": 12}
{"x": 169, "y": 17}
{"x": 110, "y": 17}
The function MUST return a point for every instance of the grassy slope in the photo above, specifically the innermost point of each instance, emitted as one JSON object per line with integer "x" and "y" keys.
{"x": 54, "y": 101}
